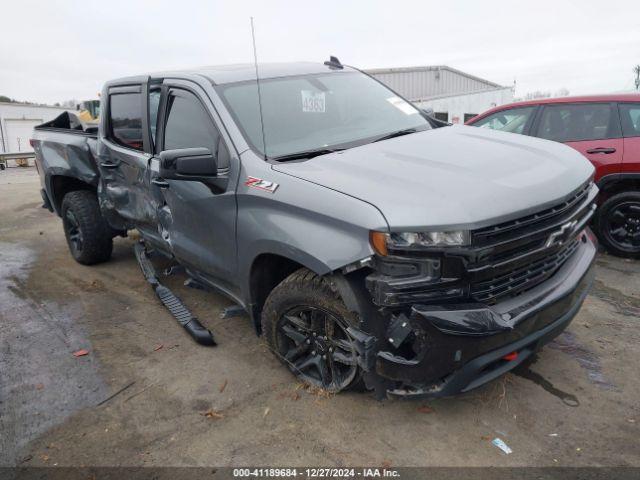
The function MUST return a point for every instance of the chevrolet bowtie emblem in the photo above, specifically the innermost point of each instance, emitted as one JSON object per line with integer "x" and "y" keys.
{"x": 561, "y": 235}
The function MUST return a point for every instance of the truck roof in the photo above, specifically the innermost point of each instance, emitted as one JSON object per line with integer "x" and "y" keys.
{"x": 221, "y": 74}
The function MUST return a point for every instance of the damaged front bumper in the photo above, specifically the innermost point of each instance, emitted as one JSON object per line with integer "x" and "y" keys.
{"x": 455, "y": 348}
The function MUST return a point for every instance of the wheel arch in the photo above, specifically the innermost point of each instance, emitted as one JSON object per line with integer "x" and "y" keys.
{"x": 615, "y": 183}
{"x": 268, "y": 269}
{"x": 60, "y": 185}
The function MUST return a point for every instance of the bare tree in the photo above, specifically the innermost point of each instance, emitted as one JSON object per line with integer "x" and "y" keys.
{"x": 71, "y": 104}
{"x": 536, "y": 95}
{"x": 636, "y": 70}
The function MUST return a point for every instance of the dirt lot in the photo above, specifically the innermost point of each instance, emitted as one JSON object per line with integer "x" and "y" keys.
{"x": 141, "y": 395}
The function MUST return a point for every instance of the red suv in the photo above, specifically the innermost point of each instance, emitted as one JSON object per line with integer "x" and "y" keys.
{"x": 606, "y": 130}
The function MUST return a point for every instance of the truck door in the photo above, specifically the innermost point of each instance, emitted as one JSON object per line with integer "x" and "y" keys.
{"x": 198, "y": 219}
{"x": 124, "y": 153}
{"x": 591, "y": 128}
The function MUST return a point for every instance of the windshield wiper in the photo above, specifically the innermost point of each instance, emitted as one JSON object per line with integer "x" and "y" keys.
{"x": 306, "y": 155}
{"x": 399, "y": 133}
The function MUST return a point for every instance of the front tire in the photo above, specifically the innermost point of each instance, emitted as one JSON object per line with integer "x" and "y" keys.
{"x": 88, "y": 234}
{"x": 617, "y": 224}
{"x": 305, "y": 324}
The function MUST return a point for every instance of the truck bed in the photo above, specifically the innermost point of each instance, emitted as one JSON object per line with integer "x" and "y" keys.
{"x": 63, "y": 149}
{"x": 68, "y": 123}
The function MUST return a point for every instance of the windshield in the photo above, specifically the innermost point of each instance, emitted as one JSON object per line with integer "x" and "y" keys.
{"x": 317, "y": 112}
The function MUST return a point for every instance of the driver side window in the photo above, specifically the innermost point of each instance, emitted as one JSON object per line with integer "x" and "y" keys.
{"x": 513, "y": 120}
{"x": 189, "y": 125}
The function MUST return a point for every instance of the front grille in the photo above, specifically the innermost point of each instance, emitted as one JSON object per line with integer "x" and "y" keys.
{"x": 503, "y": 261}
{"x": 522, "y": 279}
{"x": 502, "y": 230}
{"x": 513, "y": 257}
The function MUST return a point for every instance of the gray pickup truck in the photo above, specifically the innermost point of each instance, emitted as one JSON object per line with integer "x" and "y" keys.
{"x": 371, "y": 246}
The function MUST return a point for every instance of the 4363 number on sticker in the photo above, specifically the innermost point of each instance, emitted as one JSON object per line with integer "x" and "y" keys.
{"x": 313, "y": 101}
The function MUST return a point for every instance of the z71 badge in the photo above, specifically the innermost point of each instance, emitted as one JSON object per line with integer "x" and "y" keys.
{"x": 261, "y": 184}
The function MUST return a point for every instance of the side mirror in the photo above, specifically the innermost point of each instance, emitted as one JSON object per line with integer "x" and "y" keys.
{"x": 196, "y": 164}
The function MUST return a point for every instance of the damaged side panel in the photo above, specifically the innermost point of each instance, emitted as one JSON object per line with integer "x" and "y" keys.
{"x": 68, "y": 154}
{"x": 123, "y": 158}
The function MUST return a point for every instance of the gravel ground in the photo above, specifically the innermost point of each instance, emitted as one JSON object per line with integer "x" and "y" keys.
{"x": 147, "y": 395}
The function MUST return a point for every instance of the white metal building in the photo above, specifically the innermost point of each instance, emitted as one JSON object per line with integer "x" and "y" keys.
{"x": 16, "y": 124}
{"x": 453, "y": 95}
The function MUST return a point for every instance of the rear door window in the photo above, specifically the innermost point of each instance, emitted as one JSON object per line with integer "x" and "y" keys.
{"x": 512, "y": 121}
{"x": 578, "y": 122}
{"x": 630, "y": 117}
{"x": 190, "y": 126}
{"x": 125, "y": 117}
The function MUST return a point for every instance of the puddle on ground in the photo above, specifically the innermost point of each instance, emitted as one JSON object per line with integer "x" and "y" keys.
{"x": 41, "y": 382}
{"x": 623, "y": 304}
{"x": 567, "y": 343}
{"x": 567, "y": 398}
{"x": 605, "y": 262}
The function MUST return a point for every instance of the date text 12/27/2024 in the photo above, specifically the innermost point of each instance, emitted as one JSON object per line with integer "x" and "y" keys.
{"x": 316, "y": 472}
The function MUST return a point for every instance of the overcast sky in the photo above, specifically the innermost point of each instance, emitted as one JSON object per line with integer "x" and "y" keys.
{"x": 57, "y": 50}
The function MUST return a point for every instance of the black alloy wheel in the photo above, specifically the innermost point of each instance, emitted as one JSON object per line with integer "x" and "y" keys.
{"x": 617, "y": 224}
{"x": 74, "y": 233}
{"x": 315, "y": 345}
{"x": 89, "y": 236}
{"x": 623, "y": 225}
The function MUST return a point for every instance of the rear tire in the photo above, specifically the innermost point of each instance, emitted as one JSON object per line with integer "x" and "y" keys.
{"x": 89, "y": 236}
{"x": 617, "y": 224}
{"x": 304, "y": 321}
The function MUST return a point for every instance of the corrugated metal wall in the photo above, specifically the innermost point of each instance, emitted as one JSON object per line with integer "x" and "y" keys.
{"x": 423, "y": 82}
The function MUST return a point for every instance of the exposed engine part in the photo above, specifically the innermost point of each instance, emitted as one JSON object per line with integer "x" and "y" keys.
{"x": 365, "y": 345}
{"x": 399, "y": 329}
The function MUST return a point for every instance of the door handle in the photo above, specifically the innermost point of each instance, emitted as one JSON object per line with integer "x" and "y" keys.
{"x": 160, "y": 183}
{"x": 108, "y": 165}
{"x": 605, "y": 150}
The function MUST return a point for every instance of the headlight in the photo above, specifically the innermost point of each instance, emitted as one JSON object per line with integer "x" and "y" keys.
{"x": 382, "y": 241}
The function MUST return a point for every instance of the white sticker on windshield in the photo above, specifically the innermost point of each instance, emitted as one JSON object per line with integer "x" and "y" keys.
{"x": 312, "y": 101}
{"x": 403, "y": 106}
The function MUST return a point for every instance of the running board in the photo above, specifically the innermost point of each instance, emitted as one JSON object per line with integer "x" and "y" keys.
{"x": 175, "y": 306}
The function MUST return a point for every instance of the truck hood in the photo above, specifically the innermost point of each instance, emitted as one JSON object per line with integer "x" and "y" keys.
{"x": 451, "y": 177}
